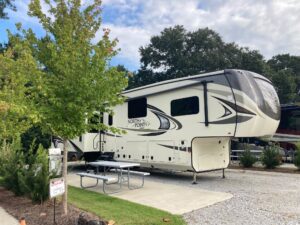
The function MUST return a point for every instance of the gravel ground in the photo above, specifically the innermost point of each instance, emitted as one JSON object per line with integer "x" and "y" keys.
{"x": 262, "y": 198}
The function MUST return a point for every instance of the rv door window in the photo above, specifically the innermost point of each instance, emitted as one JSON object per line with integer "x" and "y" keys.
{"x": 185, "y": 106}
{"x": 137, "y": 108}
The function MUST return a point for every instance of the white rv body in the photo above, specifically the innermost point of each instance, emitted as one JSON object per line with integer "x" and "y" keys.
{"x": 187, "y": 123}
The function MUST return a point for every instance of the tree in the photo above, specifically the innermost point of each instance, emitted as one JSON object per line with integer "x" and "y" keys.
{"x": 17, "y": 74}
{"x": 290, "y": 65}
{"x": 77, "y": 81}
{"x": 177, "y": 53}
{"x": 285, "y": 83}
{"x": 6, "y": 4}
{"x": 3, "y": 48}
{"x": 35, "y": 135}
{"x": 284, "y": 62}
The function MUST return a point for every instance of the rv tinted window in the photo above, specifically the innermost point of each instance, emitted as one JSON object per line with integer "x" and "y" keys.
{"x": 137, "y": 108}
{"x": 185, "y": 106}
{"x": 110, "y": 120}
{"x": 95, "y": 121}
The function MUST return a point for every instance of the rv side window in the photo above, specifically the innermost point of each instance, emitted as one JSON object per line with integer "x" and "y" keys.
{"x": 185, "y": 106}
{"x": 137, "y": 108}
{"x": 110, "y": 120}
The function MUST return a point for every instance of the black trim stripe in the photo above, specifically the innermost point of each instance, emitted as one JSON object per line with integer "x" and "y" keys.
{"x": 75, "y": 147}
{"x": 111, "y": 135}
{"x": 153, "y": 134}
{"x": 189, "y": 149}
{"x": 141, "y": 130}
{"x": 153, "y": 107}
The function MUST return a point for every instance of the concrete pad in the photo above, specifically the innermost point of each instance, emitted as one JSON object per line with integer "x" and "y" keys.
{"x": 168, "y": 197}
{"x": 7, "y": 219}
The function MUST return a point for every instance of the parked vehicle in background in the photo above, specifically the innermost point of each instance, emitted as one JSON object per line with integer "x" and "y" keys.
{"x": 288, "y": 132}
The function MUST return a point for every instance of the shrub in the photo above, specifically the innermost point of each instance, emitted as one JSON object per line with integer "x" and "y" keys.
{"x": 40, "y": 179}
{"x": 247, "y": 159}
{"x": 25, "y": 174}
{"x": 35, "y": 180}
{"x": 297, "y": 156}
{"x": 271, "y": 157}
{"x": 12, "y": 166}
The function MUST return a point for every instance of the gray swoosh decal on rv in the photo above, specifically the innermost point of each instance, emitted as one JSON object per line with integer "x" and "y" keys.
{"x": 164, "y": 123}
{"x": 159, "y": 112}
{"x": 179, "y": 125}
{"x": 238, "y": 109}
{"x": 240, "y": 119}
{"x": 227, "y": 111}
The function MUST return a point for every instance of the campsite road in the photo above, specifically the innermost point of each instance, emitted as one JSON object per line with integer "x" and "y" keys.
{"x": 267, "y": 198}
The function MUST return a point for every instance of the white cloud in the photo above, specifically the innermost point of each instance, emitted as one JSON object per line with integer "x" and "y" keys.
{"x": 130, "y": 39}
{"x": 270, "y": 26}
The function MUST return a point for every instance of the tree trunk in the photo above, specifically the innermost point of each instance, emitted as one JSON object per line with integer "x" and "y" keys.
{"x": 65, "y": 173}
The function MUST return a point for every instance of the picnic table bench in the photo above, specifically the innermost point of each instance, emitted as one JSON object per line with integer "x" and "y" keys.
{"x": 106, "y": 180}
{"x": 139, "y": 173}
{"x": 121, "y": 168}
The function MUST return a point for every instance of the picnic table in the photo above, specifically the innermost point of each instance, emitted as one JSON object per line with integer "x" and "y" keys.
{"x": 122, "y": 169}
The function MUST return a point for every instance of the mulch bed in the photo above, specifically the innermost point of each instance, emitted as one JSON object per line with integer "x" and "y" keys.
{"x": 37, "y": 214}
{"x": 278, "y": 169}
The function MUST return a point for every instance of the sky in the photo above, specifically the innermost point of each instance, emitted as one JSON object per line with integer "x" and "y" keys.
{"x": 270, "y": 26}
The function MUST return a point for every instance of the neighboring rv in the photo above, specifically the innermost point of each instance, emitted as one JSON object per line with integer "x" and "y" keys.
{"x": 289, "y": 126}
{"x": 187, "y": 123}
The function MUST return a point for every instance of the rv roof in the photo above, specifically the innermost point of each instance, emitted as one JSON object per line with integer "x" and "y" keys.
{"x": 172, "y": 84}
{"x": 173, "y": 81}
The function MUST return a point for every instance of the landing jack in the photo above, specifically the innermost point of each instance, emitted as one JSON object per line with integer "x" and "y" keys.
{"x": 194, "y": 178}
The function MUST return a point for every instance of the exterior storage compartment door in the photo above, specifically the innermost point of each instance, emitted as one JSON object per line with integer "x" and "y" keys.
{"x": 210, "y": 153}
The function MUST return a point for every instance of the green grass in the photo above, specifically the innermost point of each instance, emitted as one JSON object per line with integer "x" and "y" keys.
{"x": 121, "y": 211}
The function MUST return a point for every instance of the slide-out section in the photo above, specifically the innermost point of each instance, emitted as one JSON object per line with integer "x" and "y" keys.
{"x": 210, "y": 153}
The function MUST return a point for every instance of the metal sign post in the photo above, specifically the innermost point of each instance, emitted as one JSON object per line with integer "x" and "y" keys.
{"x": 56, "y": 188}
{"x": 54, "y": 222}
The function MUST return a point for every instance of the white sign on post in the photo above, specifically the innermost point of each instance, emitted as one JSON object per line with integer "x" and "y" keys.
{"x": 54, "y": 151}
{"x": 55, "y": 162}
{"x": 57, "y": 187}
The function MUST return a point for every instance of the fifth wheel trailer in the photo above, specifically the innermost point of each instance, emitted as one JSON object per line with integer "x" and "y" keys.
{"x": 186, "y": 123}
